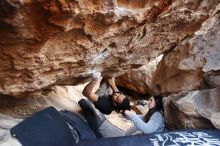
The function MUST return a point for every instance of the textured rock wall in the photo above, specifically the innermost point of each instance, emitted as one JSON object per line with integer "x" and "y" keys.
{"x": 194, "y": 65}
{"x": 194, "y": 109}
{"x": 46, "y": 42}
{"x": 195, "y": 62}
{"x": 139, "y": 80}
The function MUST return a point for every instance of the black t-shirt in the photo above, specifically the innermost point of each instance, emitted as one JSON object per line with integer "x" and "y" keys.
{"x": 104, "y": 105}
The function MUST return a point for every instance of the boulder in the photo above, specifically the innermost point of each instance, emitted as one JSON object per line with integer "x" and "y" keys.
{"x": 139, "y": 80}
{"x": 194, "y": 109}
{"x": 194, "y": 63}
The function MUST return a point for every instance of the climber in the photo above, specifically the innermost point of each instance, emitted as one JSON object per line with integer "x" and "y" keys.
{"x": 101, "y": 95}
{"x": 151, "y": 122}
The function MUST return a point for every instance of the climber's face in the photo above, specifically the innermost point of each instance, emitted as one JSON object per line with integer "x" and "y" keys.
{"x": 118, "y": 97}
{"x": 151, "y": 103}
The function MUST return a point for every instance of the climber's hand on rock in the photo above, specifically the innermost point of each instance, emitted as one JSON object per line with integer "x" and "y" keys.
{"x": 96, "y": 75}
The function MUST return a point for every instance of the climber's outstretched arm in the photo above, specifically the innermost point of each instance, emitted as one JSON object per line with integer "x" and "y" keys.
{"x": 111, "y": 82}
{"x": 91, "y": 88}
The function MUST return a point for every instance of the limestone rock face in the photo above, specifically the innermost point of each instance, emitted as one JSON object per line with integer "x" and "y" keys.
{"x": 139, "y": 80}
{"x": 195, "y": 109}
{"x": 46, "y": 42}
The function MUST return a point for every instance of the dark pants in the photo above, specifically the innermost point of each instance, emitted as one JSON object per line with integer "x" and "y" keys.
{"x": 98, "y": 122}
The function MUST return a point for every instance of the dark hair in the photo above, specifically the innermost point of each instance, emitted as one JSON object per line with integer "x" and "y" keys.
{"x": 158, "y": 107}
{"x": 125, "y": 105}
